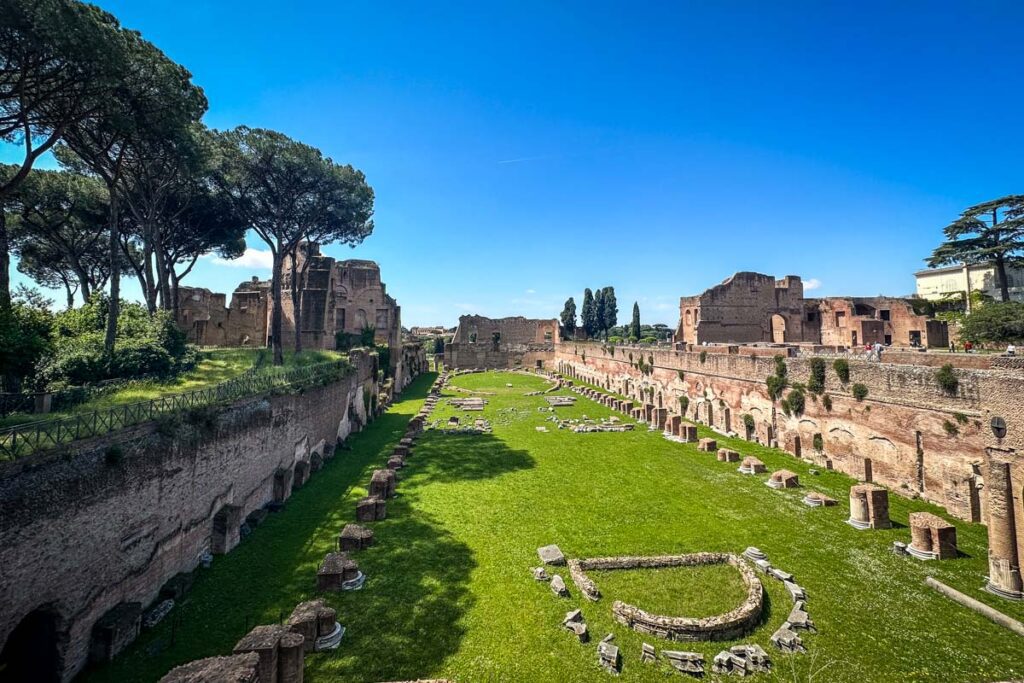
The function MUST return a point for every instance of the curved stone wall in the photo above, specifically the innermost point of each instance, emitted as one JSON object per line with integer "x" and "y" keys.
{"x": 731, "y": 625}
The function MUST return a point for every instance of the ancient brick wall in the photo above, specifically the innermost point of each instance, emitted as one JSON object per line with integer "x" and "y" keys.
{"x": 111, "y": 520}
{"x": 481, "y": 342}
{"x": 906, "y": 434}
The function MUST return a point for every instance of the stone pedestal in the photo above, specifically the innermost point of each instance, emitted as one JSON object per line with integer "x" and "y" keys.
{"x": 371, "y": 509}
{"x": 752, "y": 465}
{"x": 672, "y": 426}
{"x": 660, "y": 417}
{"x": 688, "y": 432}
{"x": 727, "y": 455}
{"x": 783, "y": 479}
{"x": 707, "y": 445}
{"x": 354, "y": 537}
{"x": 382, "y": 484}
{"x": 869, "y": 507}
{"x": 1004, "y": 552}
{"x": 932, "y": 538}
{"x": 337, "y": 572}
{"x": 312, "y": 620}
{"x": 265, "y": 642}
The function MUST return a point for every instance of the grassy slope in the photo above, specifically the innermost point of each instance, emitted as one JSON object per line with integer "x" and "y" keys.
{"x": 450, "y": 593}
{"x": 214, "y": 367}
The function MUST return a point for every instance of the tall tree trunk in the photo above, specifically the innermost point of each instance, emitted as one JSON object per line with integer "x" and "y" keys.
{"x": 148, "y": 283}
{"x": 276, "y": 313}
{"x": 5, "y": 262}
{"x": 162, "y": 274}
{"x": 1004, "y": 286}
{"x": 296, "y": 301}
{"x": 71, "y": 295}
{"x": 114, "y": 305}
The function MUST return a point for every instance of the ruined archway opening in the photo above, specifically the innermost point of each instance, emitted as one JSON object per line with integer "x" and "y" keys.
{"x": 33, "y": 651}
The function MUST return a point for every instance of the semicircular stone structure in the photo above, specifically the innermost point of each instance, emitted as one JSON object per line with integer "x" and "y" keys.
{"x": 729, "y": 626}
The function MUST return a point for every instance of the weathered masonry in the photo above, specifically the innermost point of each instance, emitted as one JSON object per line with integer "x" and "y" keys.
{"x": 336, "y": 297}
{"x": 481, "y": 342}
{"x": 94, "y": 533}
{"x": 751, "y": 307}
{"x": 907, "y": 433}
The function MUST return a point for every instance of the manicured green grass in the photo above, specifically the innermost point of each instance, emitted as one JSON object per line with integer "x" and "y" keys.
{"x": 450, "y": 593}
{"x": 702, "y": 591}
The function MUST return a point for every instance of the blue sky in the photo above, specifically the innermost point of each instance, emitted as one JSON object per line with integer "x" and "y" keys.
{"x": 522, "y": 152}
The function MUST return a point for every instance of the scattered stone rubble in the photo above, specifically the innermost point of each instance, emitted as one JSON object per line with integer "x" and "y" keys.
{"x": 691, "y": 663}
{"x": 574, "y": 622}
{"x": 741, "y": 660}
{"x": 608, "y": 657}
{"x": 558, "y": 586}
{"x": 551, "y": 554}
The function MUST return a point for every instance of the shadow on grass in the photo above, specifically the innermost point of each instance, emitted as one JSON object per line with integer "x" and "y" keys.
{"x": 440, "y": 457}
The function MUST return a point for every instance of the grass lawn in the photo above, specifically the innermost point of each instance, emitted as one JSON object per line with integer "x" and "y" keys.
{"x": 215, "y": 366}
{"x": 450, "y": 594}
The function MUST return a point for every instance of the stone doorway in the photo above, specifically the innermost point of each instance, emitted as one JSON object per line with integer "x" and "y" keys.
{"x": 778, "y": 329}
{"x": 33, "y": 649}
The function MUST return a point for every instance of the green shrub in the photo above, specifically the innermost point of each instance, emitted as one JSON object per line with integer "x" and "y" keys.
{"x": 344, "y": 341}
{"x": 703, "y": 357}
{"x": 780, "y": 366}
{"x": 842, "y": 368}
{"x": 951, "y": 429}
{"x": 960, "y": 418}
{"x": 615, "y": 339}
{"x": 816, "y": 382}
{"x": 796, "y": 401}
{"x": 681, "y": 375}
{"x": 826, "y": 401}
{"x": 784, "y": 404}
{"x": 818, "y": 443}
{"x": 648, "y": 340}
{"x": 859, "y": 391}
{"x": 748, "y": 421}
{"x": 684, "y": 403}
{"x": 947, "y": 380}
{"x": 775, "y": 386}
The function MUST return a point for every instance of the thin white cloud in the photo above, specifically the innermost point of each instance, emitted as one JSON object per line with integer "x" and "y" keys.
{"x": 469, "y": 308}
{"x": 522, "y": 159}
{"x": 531, "y": 291}
{"x": 253, "y": 259}
{"x": 813, "y": 283}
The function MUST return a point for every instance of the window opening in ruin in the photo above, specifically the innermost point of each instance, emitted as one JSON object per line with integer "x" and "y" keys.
{"x": 915, "y": 338}
{"x": 32, "y": 651}
{"x": 840, "y": 318}
{"x": 884, "y": 314}
{"x": 920, "y": 462}
{"x": 853, "y": 339}
{"x": 888, "y": 339}
{"x": 796, "y": 446}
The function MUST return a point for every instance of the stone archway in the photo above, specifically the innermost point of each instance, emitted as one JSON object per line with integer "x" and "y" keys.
{"x": 34, "y": 649}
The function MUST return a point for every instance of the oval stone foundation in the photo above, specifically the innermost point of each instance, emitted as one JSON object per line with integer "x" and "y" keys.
{"x": 731, "y": 625}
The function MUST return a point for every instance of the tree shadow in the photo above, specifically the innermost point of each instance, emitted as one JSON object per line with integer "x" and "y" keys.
{"x": 439, "y": 457}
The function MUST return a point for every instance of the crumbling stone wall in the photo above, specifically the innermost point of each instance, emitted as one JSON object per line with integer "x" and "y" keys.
{"x": 899, "y": 435}
{"x": 111, "y": 520}
{"x": 337, "y": 296}
{"x": 751, "y": 308}
{"x": 481, "y": 342}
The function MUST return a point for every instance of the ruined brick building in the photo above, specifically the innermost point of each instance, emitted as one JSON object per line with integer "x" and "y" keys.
{"x": 481, "y": 342}
{"x": 336, "y": 297}
{"x": 751, "y": 308}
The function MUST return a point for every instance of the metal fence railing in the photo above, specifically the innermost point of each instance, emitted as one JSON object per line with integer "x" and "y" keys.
{"x": 31, "y": 437}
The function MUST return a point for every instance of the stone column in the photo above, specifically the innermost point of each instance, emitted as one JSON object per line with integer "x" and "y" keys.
{"x": 1003, "y": 554}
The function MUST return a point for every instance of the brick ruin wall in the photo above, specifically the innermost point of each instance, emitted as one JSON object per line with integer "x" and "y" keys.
{"x": 81, "y": 533}
{"x": 523, "y": 342}
{"x": 896, "y": 436}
